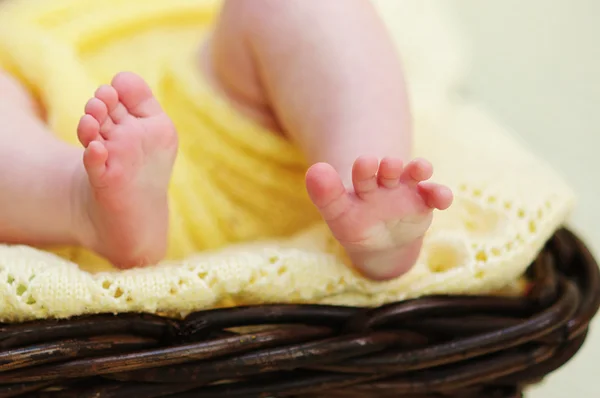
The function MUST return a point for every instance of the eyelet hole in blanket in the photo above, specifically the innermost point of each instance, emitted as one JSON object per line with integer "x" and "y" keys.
{"x": 445, "y": 256}
{"x": 479, "y": 220}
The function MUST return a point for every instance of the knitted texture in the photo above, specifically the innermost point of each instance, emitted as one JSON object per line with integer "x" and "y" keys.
{"x": 243, "y": 230}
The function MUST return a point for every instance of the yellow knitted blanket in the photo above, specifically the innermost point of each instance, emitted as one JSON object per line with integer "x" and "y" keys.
{"x": 242, "y": 228}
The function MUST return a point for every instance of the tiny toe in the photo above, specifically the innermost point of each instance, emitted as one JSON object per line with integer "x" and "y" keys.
{"x": 327, "y": 191}
{"x": 110, "y": 97}
{"x": 94, "y": 160}
{"x": 97, "y": 109}
{"x": 435, "y": 195}
{"x": 136, "y": 95}
{"x": 364, "y": 174}
{"x": 389, "y": 173}
{"x": 420, "y": 169}
{"x": 88, "y": 130}
{"x": 416, "y": 171}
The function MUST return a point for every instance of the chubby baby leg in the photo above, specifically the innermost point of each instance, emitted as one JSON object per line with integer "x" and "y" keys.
{"x": 36, "y": 173}
{"x": 327, "y": 75}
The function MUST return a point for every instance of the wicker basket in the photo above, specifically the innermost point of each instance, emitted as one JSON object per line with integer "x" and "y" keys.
{"x": 457, "y": 346}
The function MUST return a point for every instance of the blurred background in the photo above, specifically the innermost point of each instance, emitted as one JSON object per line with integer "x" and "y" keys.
{"x": 536, "y": 65}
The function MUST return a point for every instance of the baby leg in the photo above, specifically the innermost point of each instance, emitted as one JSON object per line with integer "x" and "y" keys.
{"x": 110, "y": 197}
{"x": 329, "y": 77}
{"x": 38, "y": 199}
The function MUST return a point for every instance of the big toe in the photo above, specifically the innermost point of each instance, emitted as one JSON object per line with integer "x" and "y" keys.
{"x": 327, "y": 191}
{"x": 136, "y": 95}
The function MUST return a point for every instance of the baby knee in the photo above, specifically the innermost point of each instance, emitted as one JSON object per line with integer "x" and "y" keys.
{"x": 14, "y": 93}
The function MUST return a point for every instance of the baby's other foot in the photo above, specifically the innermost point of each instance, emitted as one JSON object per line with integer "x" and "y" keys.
{"x": 130, "y": 147}
{"x": 382, "y": 221}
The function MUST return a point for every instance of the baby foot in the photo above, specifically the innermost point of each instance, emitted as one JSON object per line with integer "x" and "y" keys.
{"x": 381, "y": 222}
{"x": 130, "y": 147}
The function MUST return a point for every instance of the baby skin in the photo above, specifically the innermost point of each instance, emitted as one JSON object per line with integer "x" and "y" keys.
{"x": 379, "y": 216}
{"x": 130, "y": 147}
{"x": 346, "y": 111}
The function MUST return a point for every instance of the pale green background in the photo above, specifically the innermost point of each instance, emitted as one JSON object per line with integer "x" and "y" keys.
{"x": 536, "y": 65}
